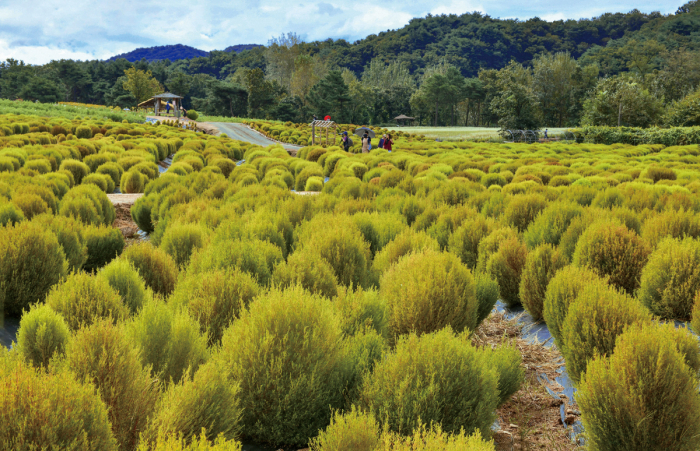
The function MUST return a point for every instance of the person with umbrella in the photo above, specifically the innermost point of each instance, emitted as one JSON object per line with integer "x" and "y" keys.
{"x": 366, "y": 143}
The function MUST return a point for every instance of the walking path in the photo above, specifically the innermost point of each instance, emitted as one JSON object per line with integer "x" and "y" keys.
{"x": 242, "y": 132}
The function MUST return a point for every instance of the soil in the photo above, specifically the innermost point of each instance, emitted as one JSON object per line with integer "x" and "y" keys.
{"x": 127, "y": 199}
{"x": 126, "y": 224}
{"x": 531, "y": 419}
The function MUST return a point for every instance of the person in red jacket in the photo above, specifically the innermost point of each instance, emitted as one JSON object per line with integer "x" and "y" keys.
{"x": 388, "y": 142}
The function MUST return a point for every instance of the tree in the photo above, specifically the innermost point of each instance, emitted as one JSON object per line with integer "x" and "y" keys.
{"x": 179, "y": 83}
{"x": 361, "y": 98}
{"x": 684, "y": 113}
{"x": 75, "y": 78}
{"x": 43, "y": 90}
{"x": 281, "y": 57}
{"x": 515, "y": 103}
{"x": 14, "y": 75}
{"x": 141, "y": 84}
{"x": 621, "y": 100}
{"x": 118, "y": 96}
{"x": 331, "y": 96}
{"x": 260, "y": 93}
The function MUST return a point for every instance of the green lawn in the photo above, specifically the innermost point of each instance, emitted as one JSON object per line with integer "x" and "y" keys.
{"x": 463, "y": 133}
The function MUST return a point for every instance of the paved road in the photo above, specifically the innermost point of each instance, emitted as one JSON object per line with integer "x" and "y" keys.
{"x": 243, "y": 133}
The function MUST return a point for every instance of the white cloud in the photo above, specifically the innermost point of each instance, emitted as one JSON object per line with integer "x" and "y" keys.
{"x": 89, "y": 29}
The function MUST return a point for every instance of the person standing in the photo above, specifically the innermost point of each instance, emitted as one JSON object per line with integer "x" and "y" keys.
{"x": 388, "y": 142}
{"x": 346, "y": 142}
{"x": 366, "y": 143}
{"x": 381, "y": 142}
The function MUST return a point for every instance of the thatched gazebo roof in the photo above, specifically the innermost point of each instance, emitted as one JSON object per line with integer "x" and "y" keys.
{"x": 403, "y": 117}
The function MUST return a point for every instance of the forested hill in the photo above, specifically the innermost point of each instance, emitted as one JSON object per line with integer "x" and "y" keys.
{"x": 163, "y": 52}
{"x": 241, "y": 47}
{"x": 475, "y": 41}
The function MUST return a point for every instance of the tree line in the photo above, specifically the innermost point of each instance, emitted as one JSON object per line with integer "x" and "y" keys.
{"x": 617, "y": 69}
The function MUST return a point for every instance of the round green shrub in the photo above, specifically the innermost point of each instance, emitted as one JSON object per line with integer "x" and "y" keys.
{"x": 125, "y": 280}
{"x": 611, "y": 249}
{"x": 486, "y": 296}
{"x": 673, "y": 223}
{"x": 671, "y": 278}
{"x": 102, "y": 181}
{"x": 569, "y": 239}
{"x": 551, "y": 223}
{"x": 83, "y": 132}
{"x": 339, "y": 242}
{"x": 41, "y": 166}
{"x": 309, "y": 270}
{"x": 314, "y": 184}
{"x": 42, "y": 334}
{"x": 695, "y": 318}
{"x": 78, "y": 169}
{"x": 595, "y": 319}
{"x": 169, "y": 341}
{"x": 86, "y": 212}
{"x": 354, "y": 430}
{"x": 288, "y": 354}
{"x": 428, "y": 291}
{"x": 102, "y": 355}
{"x": 437, "y": 377}
{"x": 362, "y": 309}
{"x": 215, "y": 299}
{"x": 206, "y": 401}
{"x": 141, "y": 214}
{"x": 113, "y": 170}
{"x": 104, "y": 244}
{"x": 192, "y": 115}
{"x": 523, "y": 209}
{"x": 506, "y": 267}
{"x": 255, "y": 257}
{"x": 87, "y": 195}
{"x": 181, "y": 240}
{"x": 541, "y": 265}
{"x": 31, "y": 262}
{"x": 10, "y": 214}
{"x": 132, "y": 182}
{"x": 507, "y": 364}
{"x": 493, "y": 179}
{"x": 489, "y": 244}
{"x": 404, "y": 243}
{"x": 96, "y": 160}
{"x": 70, "y": 234}
{"x": 644, "y": 396}
{"x": 83, "y": 299}
{"x": 157, "y": 268}
{"x": 30, "y": 204}
{"x": 50, "y": 410}
{"x": 562, "y": 291}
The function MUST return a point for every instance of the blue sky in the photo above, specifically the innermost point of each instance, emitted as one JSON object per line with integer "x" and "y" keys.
{"x": 43, "y": 30}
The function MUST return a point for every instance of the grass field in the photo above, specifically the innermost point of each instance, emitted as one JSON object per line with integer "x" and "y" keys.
{"x": 462, "y": 133}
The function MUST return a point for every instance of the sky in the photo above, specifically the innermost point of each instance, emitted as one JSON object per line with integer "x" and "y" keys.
{"x": 38, "y": 31}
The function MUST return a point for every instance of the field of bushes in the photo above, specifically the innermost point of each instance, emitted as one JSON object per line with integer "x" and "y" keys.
{"x": 344, "y": 320}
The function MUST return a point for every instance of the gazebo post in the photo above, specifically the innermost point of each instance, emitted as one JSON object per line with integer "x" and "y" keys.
{"x": 313, "y": 133}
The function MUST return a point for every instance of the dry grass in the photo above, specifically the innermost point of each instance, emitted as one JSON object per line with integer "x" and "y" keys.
{"x": 531, "y": 419}
{"x": 126, "y": 224}
{"x": 463, "y": 133}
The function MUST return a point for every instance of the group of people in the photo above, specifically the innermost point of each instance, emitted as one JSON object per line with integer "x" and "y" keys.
{"x": 384, "y": 143}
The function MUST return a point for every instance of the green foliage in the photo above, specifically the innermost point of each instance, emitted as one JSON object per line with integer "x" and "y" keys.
{"x": 181, "y": 240}
{"x": 287, "y": 353}
{"x": 215, "y": 299}
{"x": 550, "y": 224}
{"x": 541, "y": 265}
{"x": 77, "y": 168}
{"x": 644, "y": 396}
{"x": 169, "y": 341}
{"x": 192, "y": 115}
{"x": 31, "y": 262}
{"x": 10, "y": 214}
{"x": 352, "y": 431}
{"x": 101, "y": 354}
{"x": 612, "y": 250}
{"x": 132, "y": 181}
{"x": 70, "y": 415}
{"x": 89, "y": 204}
{"x": 507, "y": 363}
{"x": 428, "y": 291}
{"x": 30, "y": 204}
{"x": 676, "y": 224}
{"x": 42, "y": 335}
{"x": 671, "y": 278}
{"x": 437, "y": 377}
{"x": 404, "y": 243}
{"x": 104, "y": 244}
{"x": 308, "y": 269}
{"x": 487, "y": 295}
{"x": 83, "y": 299}
{"x": 598, "y": 315}
{"x": 506, "y": 267}
{"x": 157, "y": 268}
{"x": 523, "y": 209}
{"x": 125, "y": 280}
{"x": 362, "y": 309}
{"x": 71, "y": 236}
{"x": 174, "y": 442}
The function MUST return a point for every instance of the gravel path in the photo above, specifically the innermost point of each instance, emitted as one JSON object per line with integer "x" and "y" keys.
{"x": 123, "y": 198}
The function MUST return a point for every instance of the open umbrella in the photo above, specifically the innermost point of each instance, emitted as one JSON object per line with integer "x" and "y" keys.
{"x": 360, "y": 131}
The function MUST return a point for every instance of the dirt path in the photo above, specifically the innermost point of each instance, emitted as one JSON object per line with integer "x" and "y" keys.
{"x": 123, "y": 198}
{"x": 242, "y": 133}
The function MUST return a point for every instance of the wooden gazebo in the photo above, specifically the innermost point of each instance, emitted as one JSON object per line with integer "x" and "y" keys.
{"x": 329, "y": 126}
{"x": 157, "y": 103}
{"x": 403, "y": 117}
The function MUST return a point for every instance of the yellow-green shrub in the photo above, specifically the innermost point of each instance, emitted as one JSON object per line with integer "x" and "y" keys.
{"x": 49, "y": 410}
{"x": 103, "y": 244}
{"x": 101, "y": 354}
{"x": 169, "y": 341}
{"x": 644, "y": 396}
{"x": 215, "y": 299}
{"x": 506, "y": 267}
{"x": 174, "y": 442}
{"x": 83, "y": 299}
{"x": 487, "y": 295}
{"x": 70, "y": 234}
{"x": 157, "y": 268}
{"x": 551, "y": 223}
{"x": 541, "y": 265}
{"x": 428, "y": 291}
{"x": 180, "y": 240}
{"x": 42, "y": 334}
{"x": 125, "y": 280}
{"x": 404, "y": 243}
{"x": 306, "y": 268}
{"x": 287, "y": 353}
{"x": 595, "y": 319}
{"x": 30, "y": 204}
{"x": 132, "y": 181}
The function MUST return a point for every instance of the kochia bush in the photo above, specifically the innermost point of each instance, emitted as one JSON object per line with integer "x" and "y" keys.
{"x": 541, "y": 265}
{"x": 428, "y": 291}
{"x": 506, "y": 267}
{"x": 157, "y": 268}
{"x": 125, "y": 280}
{"x": 42, "y": 334}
